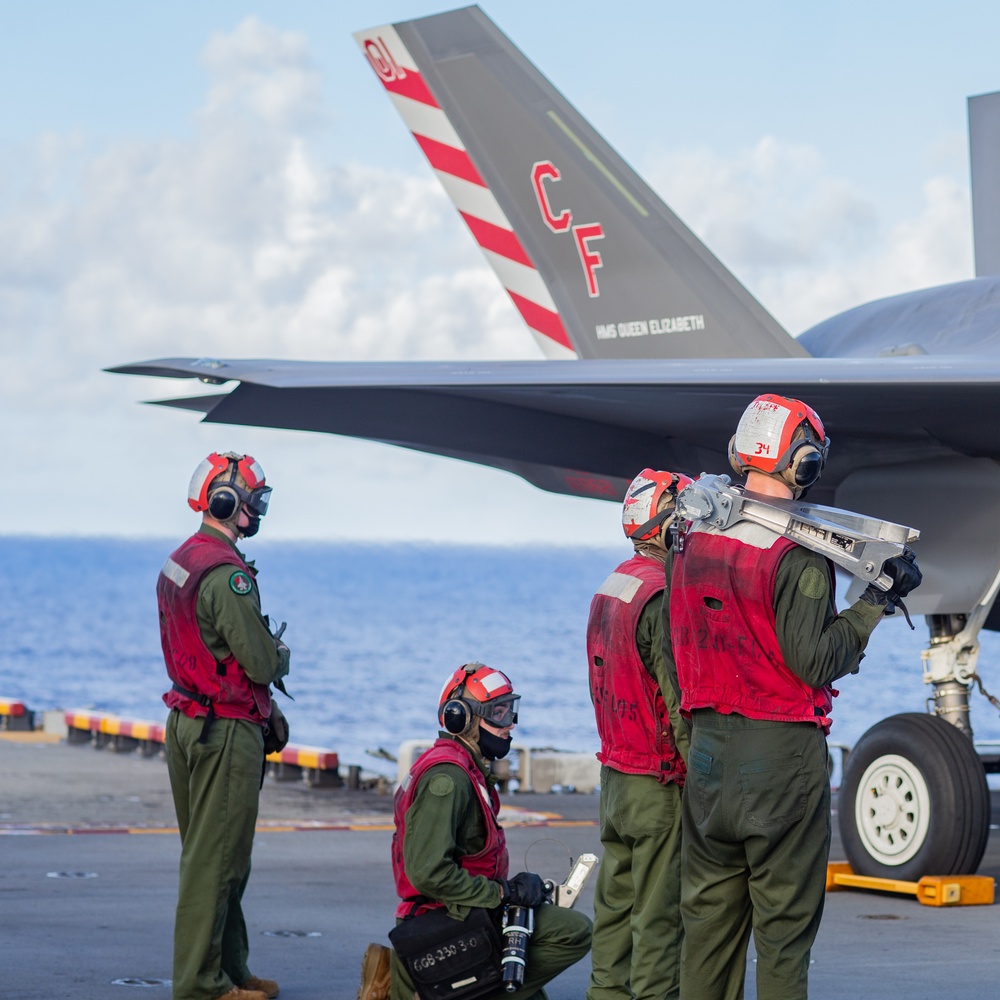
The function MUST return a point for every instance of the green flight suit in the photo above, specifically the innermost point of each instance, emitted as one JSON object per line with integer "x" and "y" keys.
{"x": 216, "y": 790}
{"x": 445, "y": 822}
{"x": 637, "y": 920}
{"x": 756, "y": 806}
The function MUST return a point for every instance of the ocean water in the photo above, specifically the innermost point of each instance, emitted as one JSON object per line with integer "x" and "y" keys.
{"x": 374, "y": 632}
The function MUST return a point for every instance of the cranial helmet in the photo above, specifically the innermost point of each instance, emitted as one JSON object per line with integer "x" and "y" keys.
{"x": 476, "y": 690}
{"x": 222, "y": 483}
{"x": 780, "y": 437}
{"x": 642, "y": 517}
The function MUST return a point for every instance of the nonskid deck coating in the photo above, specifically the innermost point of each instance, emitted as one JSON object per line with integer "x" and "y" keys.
{"x": 315, "y": 900}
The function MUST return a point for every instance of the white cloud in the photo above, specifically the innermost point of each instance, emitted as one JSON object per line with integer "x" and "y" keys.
{"x": 806, "y": 243}
{"x": 239, "y": 240}
{"x": 267, "y": 74}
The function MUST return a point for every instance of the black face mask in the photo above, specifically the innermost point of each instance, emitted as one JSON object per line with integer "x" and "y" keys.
{"x": 493, "y": 747}
{"x": 252, "y": 528}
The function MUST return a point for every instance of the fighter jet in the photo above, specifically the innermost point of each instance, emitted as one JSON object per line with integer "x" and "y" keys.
{"x": 655, "y": 349}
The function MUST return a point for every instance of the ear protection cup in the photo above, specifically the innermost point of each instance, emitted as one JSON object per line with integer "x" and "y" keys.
{"x": 456, "y": 717}
{"x": 804, "y": 466}
{"x": 223, "y": 503}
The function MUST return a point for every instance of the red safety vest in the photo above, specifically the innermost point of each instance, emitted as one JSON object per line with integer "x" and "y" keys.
{"x": 190, "y": 663}
{"x": 722, "y": 629}
{"x": 491, "y": 861}
{"x": 632, "y": 717}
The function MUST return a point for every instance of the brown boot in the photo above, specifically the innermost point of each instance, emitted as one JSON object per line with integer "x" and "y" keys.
{"x": 375, "y": 973}
{"x": 237, "y": 993}
{"x": 266, "y": 986}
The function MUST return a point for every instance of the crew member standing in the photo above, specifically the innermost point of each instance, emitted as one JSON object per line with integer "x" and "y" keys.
{"x": 757, "y": 642}
{"x": 637, "y": 921}
{"x": 221, "y": 658}
{"x": 449, "y": 850}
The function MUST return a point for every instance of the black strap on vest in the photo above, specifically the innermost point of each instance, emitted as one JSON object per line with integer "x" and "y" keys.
{"x": 205, "y": 702}
{"x": 415, "y": 902}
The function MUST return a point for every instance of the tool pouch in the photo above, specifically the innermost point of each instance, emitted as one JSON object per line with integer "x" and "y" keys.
{"x": 450, "y": 959}
{"x": 276, "y": 731}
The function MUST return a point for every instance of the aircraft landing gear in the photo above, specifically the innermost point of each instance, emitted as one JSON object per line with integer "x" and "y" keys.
{"x": 914, "y": 800}
{"x": 950, "y": 664}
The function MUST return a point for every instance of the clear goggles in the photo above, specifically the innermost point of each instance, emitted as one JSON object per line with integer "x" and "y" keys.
{"x": 500, "y": 712}
{"x": 256, "y": 499}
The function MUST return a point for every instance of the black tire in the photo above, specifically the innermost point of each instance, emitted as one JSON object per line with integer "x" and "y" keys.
{"x": 914, "y": 801}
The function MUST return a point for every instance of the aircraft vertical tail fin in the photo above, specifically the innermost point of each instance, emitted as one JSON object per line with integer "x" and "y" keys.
{"x": 984, "y": 159}
{"x": 596, "y": 264}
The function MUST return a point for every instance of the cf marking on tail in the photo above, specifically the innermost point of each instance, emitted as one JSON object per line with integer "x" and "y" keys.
{"x": 590, "y": 260}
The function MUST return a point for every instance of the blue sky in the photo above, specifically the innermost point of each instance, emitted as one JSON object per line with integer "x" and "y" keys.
{"x": 230, "y": 179}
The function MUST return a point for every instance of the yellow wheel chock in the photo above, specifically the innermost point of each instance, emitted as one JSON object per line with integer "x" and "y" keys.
{"x": 931, "y": 890}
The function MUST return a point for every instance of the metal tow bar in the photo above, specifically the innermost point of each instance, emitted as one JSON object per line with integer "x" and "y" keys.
{"x": 855, "y": 542}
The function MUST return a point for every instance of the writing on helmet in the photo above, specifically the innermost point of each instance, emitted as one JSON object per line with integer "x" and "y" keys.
{"x": 642, "y": 518}
{"x": 782, "y": 437}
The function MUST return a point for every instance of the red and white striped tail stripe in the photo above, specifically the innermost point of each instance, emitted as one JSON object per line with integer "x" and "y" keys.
{"x": 430, "y": 126}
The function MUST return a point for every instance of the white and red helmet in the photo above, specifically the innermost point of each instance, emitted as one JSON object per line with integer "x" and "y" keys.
{"x": 221, "y": 496}
{"x": 781, "y": 437}
{"x": 477, "y": 690}
{"x": 641, "y": 517}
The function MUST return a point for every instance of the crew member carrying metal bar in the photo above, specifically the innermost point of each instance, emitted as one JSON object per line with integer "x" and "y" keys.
{"x": 753, "y": 631}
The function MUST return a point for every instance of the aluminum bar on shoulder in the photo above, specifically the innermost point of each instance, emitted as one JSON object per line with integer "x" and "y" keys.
{"x": 855, "y": 542}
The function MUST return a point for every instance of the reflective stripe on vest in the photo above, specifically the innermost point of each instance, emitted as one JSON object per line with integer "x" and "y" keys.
{"x": 190, "y": 664}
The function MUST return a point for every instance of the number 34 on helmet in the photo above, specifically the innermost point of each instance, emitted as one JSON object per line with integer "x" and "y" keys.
{"x": 780, "y": 437}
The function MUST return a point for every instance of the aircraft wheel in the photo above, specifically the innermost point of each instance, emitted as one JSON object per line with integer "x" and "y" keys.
{"x": 914, "y": 800}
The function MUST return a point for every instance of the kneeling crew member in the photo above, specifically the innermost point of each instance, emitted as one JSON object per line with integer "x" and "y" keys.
{"x": 757, "y": 642}
{"x": 450, "y": 851}
{"x": 221, "y": 657}
{"x": 637, "y": 917}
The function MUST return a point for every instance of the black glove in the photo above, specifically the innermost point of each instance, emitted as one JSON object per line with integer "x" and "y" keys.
{"x": 905, "y": 573}
{"x": 524, "y": 889}
{"x": 906, "y": 576}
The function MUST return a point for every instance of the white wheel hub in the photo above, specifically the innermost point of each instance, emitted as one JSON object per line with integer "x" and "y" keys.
{"x": 892, "y": 809}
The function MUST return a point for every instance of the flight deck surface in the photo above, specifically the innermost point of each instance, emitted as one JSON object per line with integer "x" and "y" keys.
{"x": 89, "y": 853}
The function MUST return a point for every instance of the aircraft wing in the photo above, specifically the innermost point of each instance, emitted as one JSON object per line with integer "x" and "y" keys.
{"x": 914, "y": 438}
{"x": 607, "y": 418}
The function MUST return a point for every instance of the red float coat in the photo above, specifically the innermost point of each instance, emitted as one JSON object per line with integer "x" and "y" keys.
{"x": 491, "y": 861}
{"x": 632, "y": 718}
{"x": 190, "y": 663}
{"x": 723, "y": 633}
